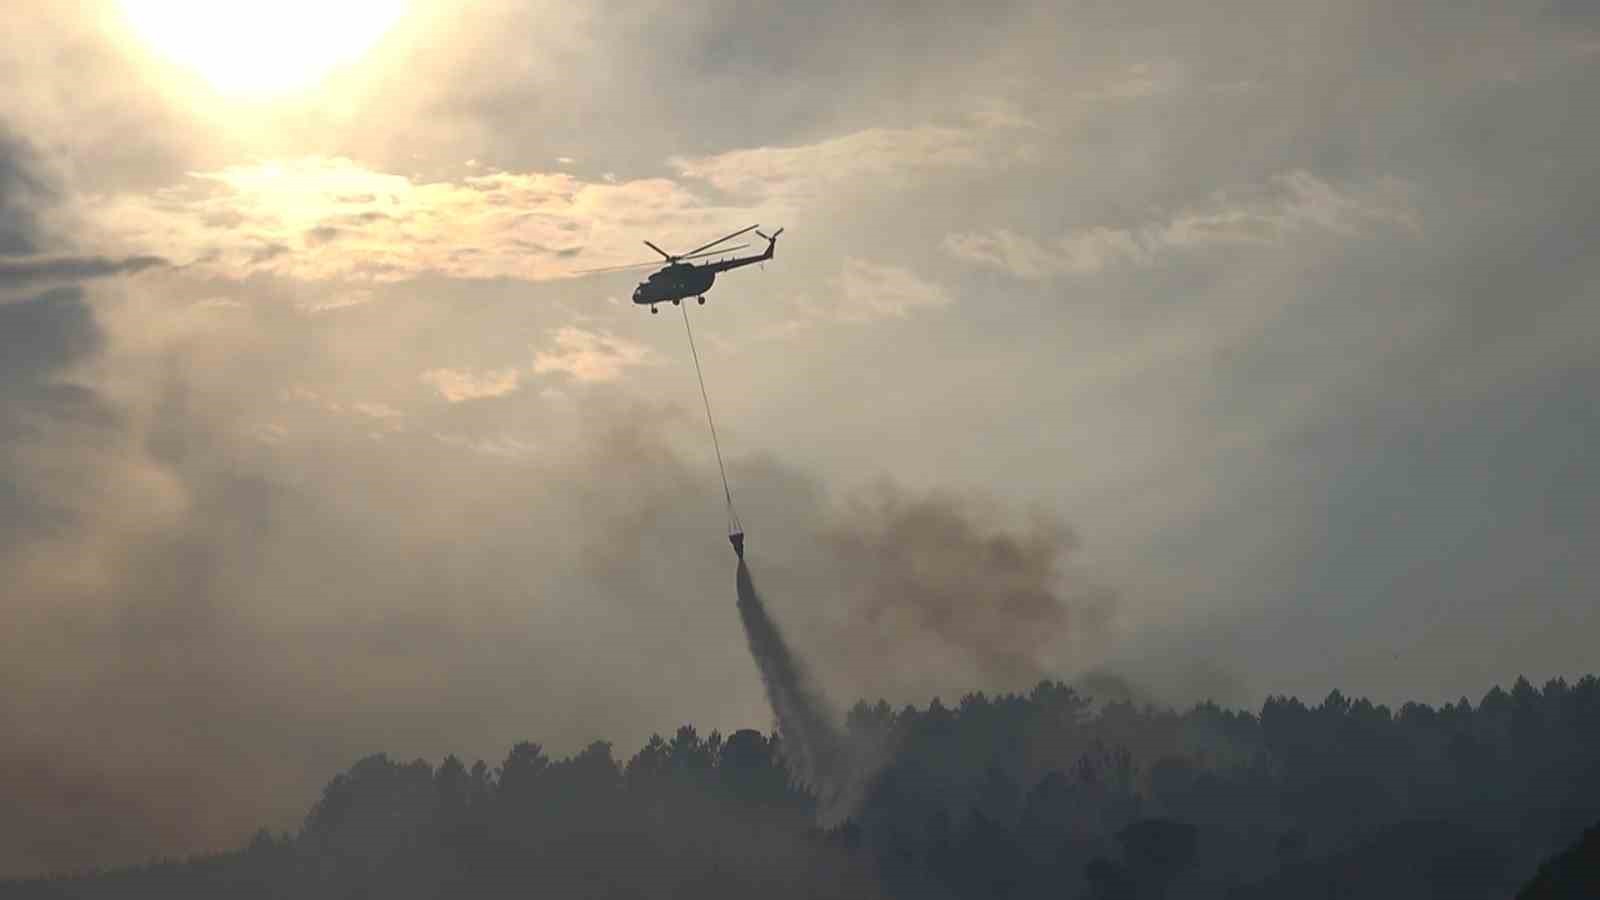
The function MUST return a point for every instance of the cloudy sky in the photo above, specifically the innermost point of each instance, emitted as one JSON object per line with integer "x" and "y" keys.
{"x": 1237, "y": 350}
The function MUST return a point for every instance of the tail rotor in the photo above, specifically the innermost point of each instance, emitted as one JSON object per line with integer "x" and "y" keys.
{"x": 772, "y": 242}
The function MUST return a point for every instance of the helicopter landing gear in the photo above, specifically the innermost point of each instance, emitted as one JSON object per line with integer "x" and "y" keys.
{"x": 653, "y": 310}
{"x": 702, "y": 301}
{"x": 675, "y": 302}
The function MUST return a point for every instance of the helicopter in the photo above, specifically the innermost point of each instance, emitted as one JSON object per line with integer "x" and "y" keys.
{"x": 681, "y": 279}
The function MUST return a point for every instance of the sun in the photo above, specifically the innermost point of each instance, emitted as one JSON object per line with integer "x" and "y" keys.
{"x": 262, "y": 47}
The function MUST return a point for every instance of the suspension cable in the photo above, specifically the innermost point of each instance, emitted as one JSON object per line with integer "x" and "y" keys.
{"x": 733, "y": 517}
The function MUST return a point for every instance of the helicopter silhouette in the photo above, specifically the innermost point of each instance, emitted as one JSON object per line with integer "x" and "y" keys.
{"x": 681, "y": 279}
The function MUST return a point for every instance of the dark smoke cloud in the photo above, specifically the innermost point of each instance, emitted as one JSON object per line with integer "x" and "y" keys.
{"x": 59, "y": 812}
{"x": 999, "y": 597}
{"x": 41, "y": 338}
{"x": 25, "y": 271}
{"x": 20, "y": 190}
{"x": 44, "y": 334}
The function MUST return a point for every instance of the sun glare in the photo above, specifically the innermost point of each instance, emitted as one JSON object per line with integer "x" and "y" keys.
{"x": 262, "y": 48}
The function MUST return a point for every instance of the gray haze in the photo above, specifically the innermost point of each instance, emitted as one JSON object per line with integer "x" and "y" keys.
{"x": 1232, "y": 349}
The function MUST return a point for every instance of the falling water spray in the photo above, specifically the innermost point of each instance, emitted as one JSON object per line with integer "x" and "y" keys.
{"x": 814, "y": 747}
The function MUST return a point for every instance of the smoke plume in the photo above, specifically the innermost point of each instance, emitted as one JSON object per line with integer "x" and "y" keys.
{"x": 1001, "y": 603}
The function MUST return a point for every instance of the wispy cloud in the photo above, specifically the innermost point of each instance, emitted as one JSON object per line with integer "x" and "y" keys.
{"x": 1080, "y": 252}
{"x": 337, "y": 301}
{"x": 317, "y": 218}
{"x": 873, "y": 291}
{"x": 579, "y": 353}
{"x": 26, "y": 271}
{"x": 382, "y": 411}
{"x": 322, "y": 218}
{"x": 592, "y": 355}
{"x": 500, "y": 447}
{"x": 1133, "y": 83}
{"x": 893, "y": 157}
{"x": 457, "y": 386}
{"x": 864, "y": 291}
{"x": 1287, "y": 205}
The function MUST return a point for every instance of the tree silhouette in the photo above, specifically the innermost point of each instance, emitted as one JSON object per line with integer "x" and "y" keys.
{"x": 1037, "y": 795}
{"x": 1572, "y": 874}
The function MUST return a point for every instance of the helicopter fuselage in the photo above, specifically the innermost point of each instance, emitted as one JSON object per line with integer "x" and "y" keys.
{"x": 675, "y": 282}
{"x": 679, "y": 281}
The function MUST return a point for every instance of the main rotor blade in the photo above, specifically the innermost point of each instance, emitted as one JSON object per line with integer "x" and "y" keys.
{"x": 721, "y": 239}
{"x": 653, "y": 263}
{"x": 715, "y": 252}
{"x": 638, "y": 265}
{"x": 659, "y": 250}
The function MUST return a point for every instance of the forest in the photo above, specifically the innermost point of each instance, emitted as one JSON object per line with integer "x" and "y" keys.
{"x": 1046, "y": 794}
